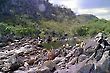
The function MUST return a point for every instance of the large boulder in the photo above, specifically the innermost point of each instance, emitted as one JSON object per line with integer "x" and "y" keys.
{"x": 73, "y": 61}
{"x": 63, "y": 71}
{"x": 19, "y": 71}
{"x": 58, "y": 59}
{"x": 82, "y": 58}
{"x": 104, "y": 63}
{"x": 51, "y": 65}
{"x": 12, "y": 64}
{"x": 89, "y": 68}
{"x": 43, "y": 69}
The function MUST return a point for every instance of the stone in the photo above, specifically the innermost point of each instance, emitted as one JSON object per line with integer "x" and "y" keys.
{"x": 13, "y": 63}
{"x": 31, "y": 61}
{"x": 70, "y": 54}
{"x": 63, "y": 71}
{"x": 57, "y": 52}
{"x": 82, "y": 58}
{"x": 58, "y": 59}
{"x": 22, "y": 68}
{"x": 99, "y": 54}
{"x": 78, "y": 51}
{"x": 6, "y": 67}
{"x": 73, "y": 61}
{"x": 32, "y": 70}
{"x": 26, "y": 65}
{"x": 22, "y": 49}
{"x": 19, "y": 71}
{"x": 43, "y": 69}
{"x": 51, "y": 65}
{"x": 104, "y": 62}
{"x": 89, "y": 68}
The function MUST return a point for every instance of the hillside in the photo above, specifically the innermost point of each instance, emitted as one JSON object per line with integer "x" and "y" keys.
{"x": 39, "y": 37}
{"x": 36, "y": 9}
{"x": 85, "y": 17}
{"x": 39, "y": 17}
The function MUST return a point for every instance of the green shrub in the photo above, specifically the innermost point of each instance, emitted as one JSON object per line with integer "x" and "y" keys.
{"x": 4, "y": 30}
{"x": 82, "y": 31}
{"x": 29, "y": 31}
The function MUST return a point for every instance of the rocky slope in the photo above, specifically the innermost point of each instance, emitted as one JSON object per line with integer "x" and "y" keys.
{"x": 27, "y": 56}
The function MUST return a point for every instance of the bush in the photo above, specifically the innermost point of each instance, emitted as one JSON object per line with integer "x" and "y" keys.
{"x": 29, "y": 31}
{"x": 4, "y": 30}
{"x": 82, "y": 31}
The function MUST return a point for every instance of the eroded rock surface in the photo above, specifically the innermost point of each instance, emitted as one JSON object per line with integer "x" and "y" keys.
{"x": 25, "y": 56}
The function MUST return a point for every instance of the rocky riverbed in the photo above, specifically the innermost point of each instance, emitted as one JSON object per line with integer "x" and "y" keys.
{"x": 26, "y": 56}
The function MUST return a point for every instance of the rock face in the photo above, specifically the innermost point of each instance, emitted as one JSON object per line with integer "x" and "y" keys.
{"x": 25, "y": 57}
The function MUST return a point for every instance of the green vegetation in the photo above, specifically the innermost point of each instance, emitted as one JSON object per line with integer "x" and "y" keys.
{"x": 93, "y": 27}
{"x": 6, "y": 29}
{"x": 27, "y": 20}
{"x": 25, "y": 26}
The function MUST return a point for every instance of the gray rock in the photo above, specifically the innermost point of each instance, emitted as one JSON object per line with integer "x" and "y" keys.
{"x": 104, "y": 63}
{"x": 78, "y": 52}
{"x": 58, "y": 59}
{"x": 82, "y": 58}
{"x": 73, "y": 61}
{"x": 104, "y": 57}
{"x": 51, "y": 65}
{"x": 32, "y": 70}
{"x": 13, "y": 63}
{"x": 78, "y": 67}
{"x": 89, "y": 68}
{"x": 22, "y": 49}
{"x": 19, "y": 71}
{"x": 3, "y": 55}
{"x": 43, "y": 69}
{"x": 6, "y": 67}
{"x": 63, "y": 71}
{"x": 70, "y": 54}
{"x": 91, "y": 43}
{"x": 99, "y": 54}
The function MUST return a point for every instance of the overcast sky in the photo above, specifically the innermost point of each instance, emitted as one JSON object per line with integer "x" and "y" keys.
{"x": 100, "y": 8}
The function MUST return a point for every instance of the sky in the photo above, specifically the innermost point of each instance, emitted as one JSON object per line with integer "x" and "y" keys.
{"x": 100, "y": 8}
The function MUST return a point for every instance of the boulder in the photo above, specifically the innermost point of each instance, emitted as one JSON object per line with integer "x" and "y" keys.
{"x": 73, "y": 61}
{"x": 58, "y": 59}
{"x": 6, "y": 67}
{"x": 43, "y": 69}
{"x": 82, "y": 58}
{"x": 78, "y": 51}
{"x": 51, "y": 65}
{"x": 20, "y": 71}
{"x": 70, "y": 53}
{"x": 63, "y": 71}
{"x": 104, "y": 63}
{"x": 12, "y": 64}
{"x": 89, "y": 68}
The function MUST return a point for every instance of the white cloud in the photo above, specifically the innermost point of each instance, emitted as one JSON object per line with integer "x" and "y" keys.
{"x": 75, "y": 6}
{"x": 97, "y": 11}
{"x": 106, "y": 16}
